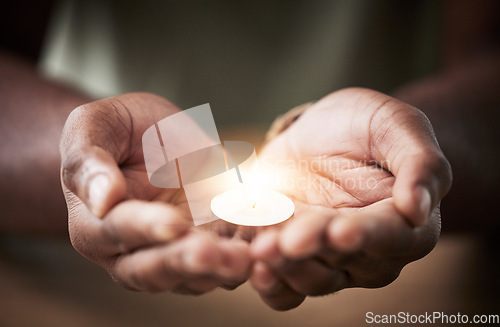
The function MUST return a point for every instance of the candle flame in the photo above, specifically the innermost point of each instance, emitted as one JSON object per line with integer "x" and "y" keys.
{"x": 254, "y": 205}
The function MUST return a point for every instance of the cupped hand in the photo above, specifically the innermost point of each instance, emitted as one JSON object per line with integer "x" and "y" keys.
{"x": 142, "y": 235}
{"x": 367, "y": 175}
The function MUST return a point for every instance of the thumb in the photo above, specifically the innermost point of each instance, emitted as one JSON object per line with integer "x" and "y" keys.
{"x": 403, "y": 141}
{"x": 421, "y": 182}
{"x": 93, "y": 175}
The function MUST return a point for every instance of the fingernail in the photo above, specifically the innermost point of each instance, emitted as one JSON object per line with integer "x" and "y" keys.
{"x": 99, "y": 186}
{"x": 424, "y": 206}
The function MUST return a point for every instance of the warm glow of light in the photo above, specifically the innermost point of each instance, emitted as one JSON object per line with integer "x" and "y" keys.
{"x": 250, "y": 206}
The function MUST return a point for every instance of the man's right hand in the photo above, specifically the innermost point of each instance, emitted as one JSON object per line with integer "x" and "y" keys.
{"x": 142, "y": 235}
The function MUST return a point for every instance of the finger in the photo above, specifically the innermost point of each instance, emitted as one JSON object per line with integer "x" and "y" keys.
{"x": 130, "y": 225}
{"x": 305, "y": 234}
{"x": 161, "y": 268}
{"x": 236, "y": 262}
{"x": 94, "y": 176}
{"x": 306, "y": 276}
{"x": 420, "y": 185}
{"x": 265, "y": 245}
{"x": 402, "y": 140}
{"x": 377, "y": 230}
{"x": 193, "y": 262}
{"x": 272, "y": 291}
{"x": 133, "y": 224}
{"x": 232, "y": 270}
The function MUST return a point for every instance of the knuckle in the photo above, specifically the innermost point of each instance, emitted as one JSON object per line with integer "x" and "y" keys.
{"x": 104, "y": 122}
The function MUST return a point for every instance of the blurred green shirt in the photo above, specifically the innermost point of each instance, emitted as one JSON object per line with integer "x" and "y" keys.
{"x": 251, "y": 60}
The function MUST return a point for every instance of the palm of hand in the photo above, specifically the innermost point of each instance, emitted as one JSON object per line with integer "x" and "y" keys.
{"x": 335, "y": 170}
{"x": 139, "y": 186}
{"x": 141, "y": 234}
{"x": 347, "y": 231}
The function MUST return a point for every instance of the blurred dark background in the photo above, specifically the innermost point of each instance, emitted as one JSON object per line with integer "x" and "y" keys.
{"x": 253, "y": 61}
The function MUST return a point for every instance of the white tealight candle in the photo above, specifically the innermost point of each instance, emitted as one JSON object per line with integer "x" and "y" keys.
{"x": 252, "y": 207}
